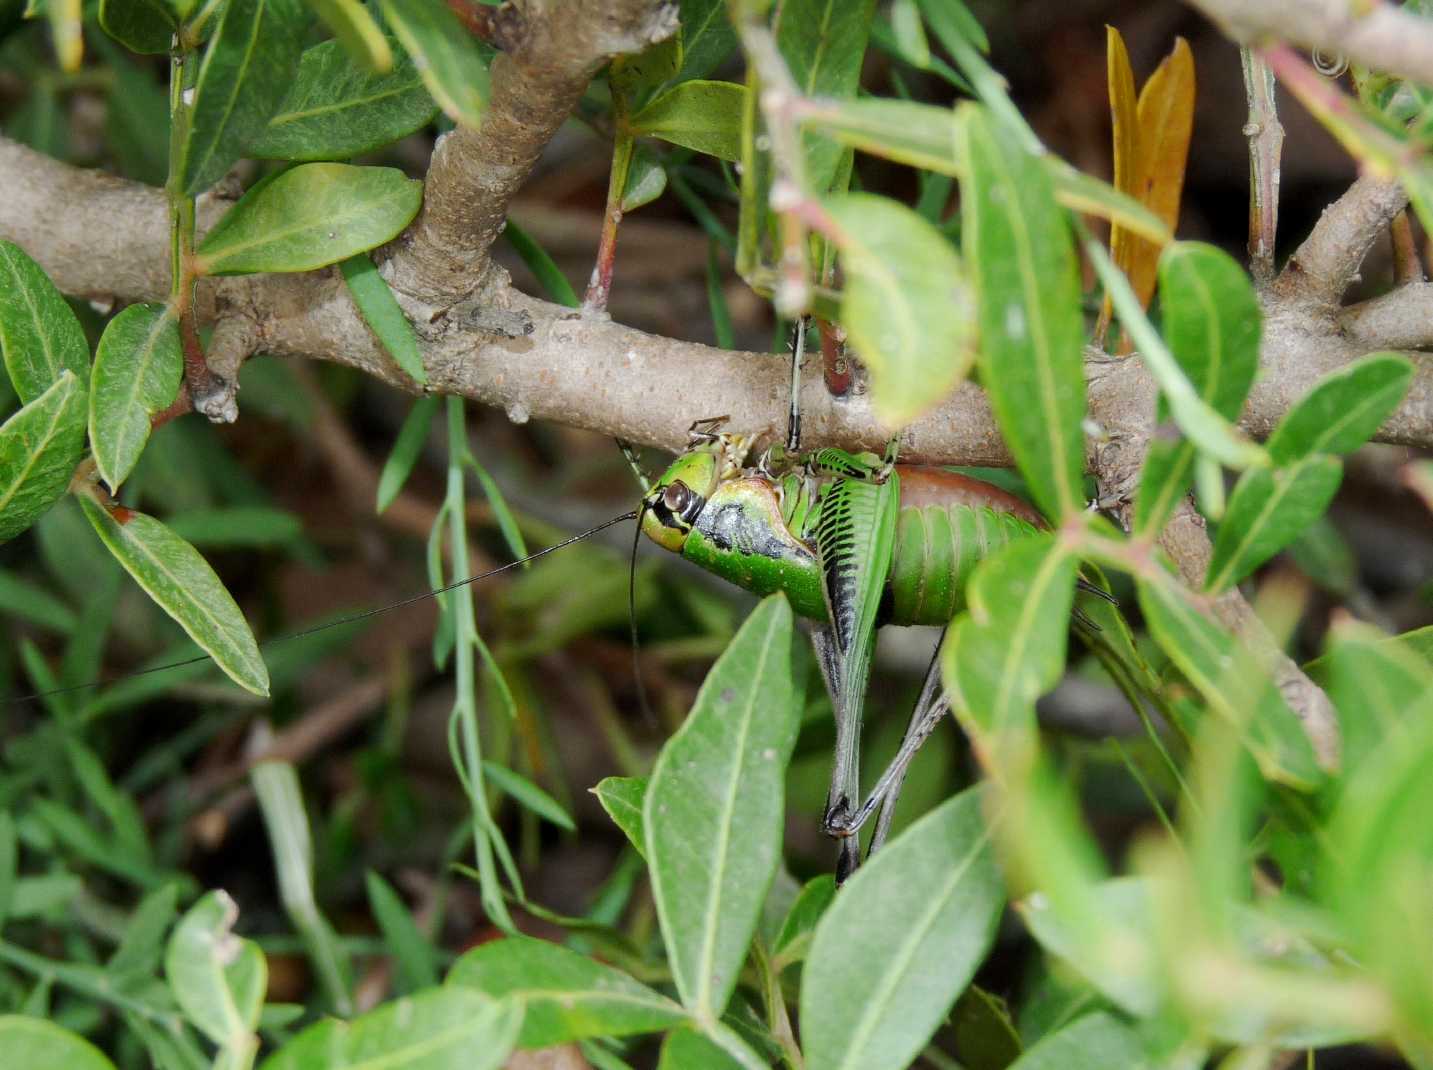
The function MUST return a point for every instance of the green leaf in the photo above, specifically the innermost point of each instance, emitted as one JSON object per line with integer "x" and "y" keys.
{"x": 524, "y": 791}
{"x": 686, "y": 1049}
{"x": 1212, "y": 322}
{"x": 823, "y": 43}
{"x": 902, "y": 941}
{"x": 548, "y": 274}
{"x": 909, "y": 33}
{"x": 356, "y": 32}
{"x": 247, "y": 68}
{"x": 1010, "y": 647}
{"x": 1163, "y": 481}
{"x": 238, "y": 526}
{"x": 36, "y": 1044}
{"x": 406, "y": 451}
{"x": 634, "y": 77}
{"x": 1268, "y": 510}
{"x": 39, "y": 448}
{"x": 216, "y": 977}
{"x": 1196, "y": 417}
{"x": 29, "y": 602}
{"x": 507, "y": 523}
{"x": 798, "y": 928}
{"x": 984, "y": 1036}
{"x": 9, "y": 865}
{"x": 142, "y": 945}
{"x": 184, "y": 586}
{"x": 1233, "y": 685}
{"x": 1032, "y": 331}
{"x": 146, "y": 26}
{"x": 39, "y": 335}
{"x": 1089, "y": 195}
{"x": 440, "y": 1029}
{"x": 309, "y": 216}
{"x": 906, "y": 304}
{"x": 566, "y": 996}
{"x": 708, "y": 37}
{"x": 714, "y": 809}
{"x": 445, "y": 54}
{"x": 138, "y": 366}
{"x": 921, "y": 135}
{"x": 646, "y": 179}
{"x": 623, "y": 798}
{"x": 1095, "y": 1042}
{"x": 380, "y": 310}
{"x": 704, "y": 116}
{"x": 414, "y": 955}
{"x": 136, "y": 118}
{"x": 1344, "y": 409}
{"x": 335, "y": 109}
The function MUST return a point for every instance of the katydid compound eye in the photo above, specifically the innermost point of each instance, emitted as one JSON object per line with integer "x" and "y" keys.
{"x": 677, "y": 497}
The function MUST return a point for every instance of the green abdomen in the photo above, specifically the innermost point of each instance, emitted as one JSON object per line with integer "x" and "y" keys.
{"x": 937, "y": 548}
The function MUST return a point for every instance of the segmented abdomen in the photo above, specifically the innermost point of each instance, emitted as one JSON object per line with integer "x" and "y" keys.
{"x": 937, "y": 548}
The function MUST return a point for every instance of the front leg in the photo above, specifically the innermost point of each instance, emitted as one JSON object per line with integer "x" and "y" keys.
{"x": 845, "y": 791}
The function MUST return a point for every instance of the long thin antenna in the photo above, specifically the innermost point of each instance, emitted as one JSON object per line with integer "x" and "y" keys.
{"x": 352, "y": 618}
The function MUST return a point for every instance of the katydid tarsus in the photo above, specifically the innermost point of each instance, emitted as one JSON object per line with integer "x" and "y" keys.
{"x": 855, "y": 541}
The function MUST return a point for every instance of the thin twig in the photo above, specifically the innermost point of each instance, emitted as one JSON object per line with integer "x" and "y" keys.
{"x": 1266, "y": 140}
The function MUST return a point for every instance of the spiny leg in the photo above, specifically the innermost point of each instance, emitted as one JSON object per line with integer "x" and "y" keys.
{"x": 846, "y": 767}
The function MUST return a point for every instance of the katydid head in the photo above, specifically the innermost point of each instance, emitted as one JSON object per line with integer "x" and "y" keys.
{"x": 671, "y": 507}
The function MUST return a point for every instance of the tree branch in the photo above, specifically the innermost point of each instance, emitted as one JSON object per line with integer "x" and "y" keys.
{"x": 1376, "y": 35}
{"x": 1399, "y": 319}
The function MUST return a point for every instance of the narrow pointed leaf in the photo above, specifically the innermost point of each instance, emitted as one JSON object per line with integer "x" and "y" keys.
{"x": 31, "y": 1043}
{"x": 1166, "y": 122}
{"x": 793, "y": 942}
{"x": 216, "y": 977}
{"x": 1010, "y": 648}
{"x": 1018, "y": 246}
{"x": 312, "y": 215}
{"x": 380, "y": 310}
{"x": 567, "y": 996}
{"x": 39, "y": 448}
{"x": 414, "y": 955}
{"x": 1163, "y": 481}
{"x": 824, "y": 42}
{"x": 524, "y": 791}
{"x": 714, "y": 808}
{"x": 411, "y": 437}
{"x": 145, "y": 26}
{"x": 247, "y": 67}
{"x": 335, "y": 109}
{"x": 708, "y": 37}
{"x": 39, "y": 335}
{"x": 1084, "y": 193}
{"x": 1124, "y": 126}
{"x": 1269, "y": 509}
{"x": 623, "y": 798}
{"x": 1094, "y": 1042}
{"x": 705, "y": 116}
{"x": 907, "y": 131}
{"x": 445, "y": 54}
{"x": 906, "y": 304}
{"x": 1232, "y": 684}
{"x": 138, "y": 365}
{"x": 438, "y": 1029}
{"x": 184, "y": 586}
{"x": 356, "y": 32}
{"x": 1344, "y": 408}
{"x": 902, "y": 941}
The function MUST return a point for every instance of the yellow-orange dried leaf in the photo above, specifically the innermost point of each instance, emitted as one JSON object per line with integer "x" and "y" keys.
{"x": 1166, "y": 122}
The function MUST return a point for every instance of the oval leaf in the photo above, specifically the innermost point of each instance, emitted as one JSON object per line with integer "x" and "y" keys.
{"x": 39, "y": 335}
{"x": 1268, "y": 510}
{"x": 138, "y": 365}
{"x": 708, "y": 37}
{"x": 248, "y": 66}
{"x": 38, "y": 1044}
{"x": 1344, "y": 409}
{"x": 566, "y": 996}
{"x": 1232, "y": 684}
{"x": 1032, "y": 331}
{"x": 902, "y": 941}
{"x": 906, "y": 305}
{"x": 310, "y": 216}
{"x": 39, "y": 448}
{"x": 1212, "y": 323}
{"x": 623, "y": 798}
{"x": 714, "y": 808}
{"x": 356, "y": 32}
{"x": 705, "y": 116}
{"x": 217, "y": 978}
{"x": 380, "y": 310}
{"x": 335, "y": 109}
{"x": 184, "y": 586}
{"x": 146, "y": 26}
{"x": 646, "y": 180}
{"x": 1094, "y": 1042}
{"x": 440, "y": 1029}
{"x": 445, "y": 54}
